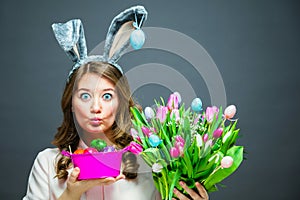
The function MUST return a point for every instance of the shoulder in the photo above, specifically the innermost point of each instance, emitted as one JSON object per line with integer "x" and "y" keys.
{"x": 48, "y": 153}
{"x": 47, "y": 156}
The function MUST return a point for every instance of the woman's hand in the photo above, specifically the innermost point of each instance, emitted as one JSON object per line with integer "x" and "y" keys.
{"x": 76, "y": 188}
{"x": 201, "y": 196}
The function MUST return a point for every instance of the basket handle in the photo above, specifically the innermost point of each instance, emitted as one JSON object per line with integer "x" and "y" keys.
{"x": 66, "y": 153}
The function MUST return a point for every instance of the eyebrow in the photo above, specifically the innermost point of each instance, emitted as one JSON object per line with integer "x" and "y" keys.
{"x": 88, "y": 90}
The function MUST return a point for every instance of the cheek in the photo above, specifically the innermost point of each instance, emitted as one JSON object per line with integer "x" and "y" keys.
{"x": 111, "y": 109}
{"x": 79, "y": 108}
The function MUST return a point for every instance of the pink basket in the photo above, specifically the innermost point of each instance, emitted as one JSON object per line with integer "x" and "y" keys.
{"x": 97, "y": 165}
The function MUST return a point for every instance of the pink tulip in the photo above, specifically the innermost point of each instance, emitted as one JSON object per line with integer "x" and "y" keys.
{"x": 205, "y": 137}
{"x": 135, "y": 148}
{"x": 153, "y": 130}
{"x": 226, "y": 162}
{"x": 135, "y": 134}
{"x": 180, "y": 148}
{"x": 161, "y": 113}
{"x": 210, "y": 113}
{"x": 178, "y": 96}
{"x": 174, "y": 152}
{"x": 178, "y": 138}
{"x": 178, "y": 145}
{"x": 217, "y": 133}
{"x": 176, "y": 113}
{"x": 146, "y": 131}
{"x": 173, "y": 102}
{"x": 230, "y": 111}
{"x": 196, "y": 120}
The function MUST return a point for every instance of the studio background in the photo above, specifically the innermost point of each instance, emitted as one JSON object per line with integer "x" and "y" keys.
{"x": 255, "y": 45}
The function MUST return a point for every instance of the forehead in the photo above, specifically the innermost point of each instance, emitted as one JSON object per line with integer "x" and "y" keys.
{"x": 93, "y": 81}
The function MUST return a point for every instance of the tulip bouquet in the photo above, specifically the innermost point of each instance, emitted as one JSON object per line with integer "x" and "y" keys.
{"x": 186, "y": 144}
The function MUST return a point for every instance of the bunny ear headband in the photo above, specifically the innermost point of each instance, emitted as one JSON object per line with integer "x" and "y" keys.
{"x": 124, "y": 29}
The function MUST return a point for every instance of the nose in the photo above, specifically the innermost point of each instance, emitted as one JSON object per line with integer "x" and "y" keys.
{"x": 96, "y": 106}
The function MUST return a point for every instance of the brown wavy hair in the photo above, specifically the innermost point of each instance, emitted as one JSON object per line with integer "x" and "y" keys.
{"x": 67, "y": 135}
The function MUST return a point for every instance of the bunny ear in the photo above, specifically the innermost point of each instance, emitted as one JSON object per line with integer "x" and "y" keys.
{"x": 70, "y": 36}
{"x": 120, "y": 30}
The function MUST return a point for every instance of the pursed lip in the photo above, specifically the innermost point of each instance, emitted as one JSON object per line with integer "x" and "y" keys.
{"x": 95, "y": 121}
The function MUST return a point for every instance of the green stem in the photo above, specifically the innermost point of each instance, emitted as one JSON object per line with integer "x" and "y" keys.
{"x": 174, "y": 181}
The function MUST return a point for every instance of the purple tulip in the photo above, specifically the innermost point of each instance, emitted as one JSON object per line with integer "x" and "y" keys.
{"x": 173, "y": 102}
{"x": 146, "y": 131}
{"x": 174, "y": 152}
{"x": 161, "y": 113}
{"x": 210, "y": 113}
{"x": 149, "y": 113}
{"x": 176, "y": 113}
{"x": 218, "y": 132}
{"x": 135, "y": 148}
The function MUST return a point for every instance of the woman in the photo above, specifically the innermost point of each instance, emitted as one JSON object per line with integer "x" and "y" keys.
{"x": 95, "y": 103}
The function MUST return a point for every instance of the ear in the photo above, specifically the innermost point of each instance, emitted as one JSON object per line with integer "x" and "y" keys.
{"x": 117, "y": 39}
{"x": 70, "y": 37}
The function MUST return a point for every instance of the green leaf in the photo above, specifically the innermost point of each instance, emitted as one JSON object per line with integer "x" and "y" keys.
{"x": 174, "y": 181}
{"x": 236, "y": 152}
{"x": 187, "y": 132}
{"x": 151, "y": 155}
{"x": 162, "y": 101}
{"x": 188, "y": 163}
{"x": 203, "y": 174}
{"x": 137, "y": 116}
{"x": 212, "y": 189}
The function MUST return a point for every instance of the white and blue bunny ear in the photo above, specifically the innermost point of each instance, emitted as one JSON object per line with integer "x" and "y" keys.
{"x": 70, "y": 36}
{"x": 125, "y": 29}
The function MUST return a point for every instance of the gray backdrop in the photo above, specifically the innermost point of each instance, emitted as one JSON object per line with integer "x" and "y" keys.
{"x": 254, "y": 43}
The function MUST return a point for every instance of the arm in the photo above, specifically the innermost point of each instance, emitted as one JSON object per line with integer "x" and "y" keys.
{"x": 38, "y": 186}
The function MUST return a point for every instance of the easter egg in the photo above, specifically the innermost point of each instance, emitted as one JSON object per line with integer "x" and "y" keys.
{"x": 98, "y": 144}
{"x": 109, "y": 149}
{"x": 79, "y": 151}
{"x": 196, "y": 105}
{"x": 90, "y": 150}
{"x": 137, "y": 39}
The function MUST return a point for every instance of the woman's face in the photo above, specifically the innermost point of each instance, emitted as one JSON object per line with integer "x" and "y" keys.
{"x": 95, "y": 104}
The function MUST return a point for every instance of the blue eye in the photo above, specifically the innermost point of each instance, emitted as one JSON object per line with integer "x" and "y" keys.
{"x": 85, "y": 96}
{"x": 107, "y": 96}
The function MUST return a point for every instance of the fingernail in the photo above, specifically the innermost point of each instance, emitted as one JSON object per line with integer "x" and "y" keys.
{"x": 181, "y": 183}
{"x": 174, "y": 190}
